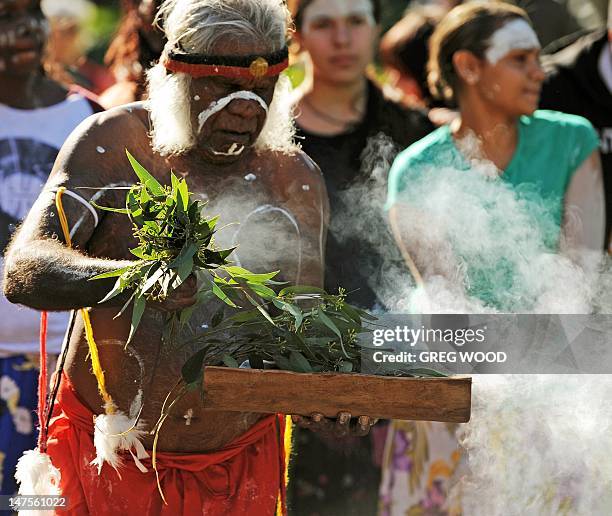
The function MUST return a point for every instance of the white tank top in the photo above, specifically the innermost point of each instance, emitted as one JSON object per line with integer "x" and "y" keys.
{"x": 29, "y": 143}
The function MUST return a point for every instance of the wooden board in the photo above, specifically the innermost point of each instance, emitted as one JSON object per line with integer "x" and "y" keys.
{"x": 286, "y": 392}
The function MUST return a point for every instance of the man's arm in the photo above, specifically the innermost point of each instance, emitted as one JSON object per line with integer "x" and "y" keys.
{"x": 583, "y": 231}
{"x": 40, "y": 270}
{"x": 423, "y": 242}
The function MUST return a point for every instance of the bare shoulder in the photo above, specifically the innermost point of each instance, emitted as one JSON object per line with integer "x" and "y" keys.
{"x": 97, "y": 146}
{"x": 298, "y": 166}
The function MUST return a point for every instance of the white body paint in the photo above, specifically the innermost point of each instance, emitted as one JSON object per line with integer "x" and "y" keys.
{"x": 337, "y": 9}
{"x": 266, "y": 208}
{"x": 101, "y": 150}
{"x": 514, "y": 35}
{"x": 220, "y": 104}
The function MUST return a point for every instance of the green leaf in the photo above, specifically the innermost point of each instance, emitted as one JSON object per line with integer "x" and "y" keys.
{"x": 423, "y": 371}
{"x": 299, "y": 362}
{"x": 139, "y": 307}
{"x": 111, "y": 274}
{"x": 145, "y": 178}
{"x": 240, "y": 272}
{"x": 322, "y": 316}
{"x": 123, "y": 211}
{"x": 192, "y": 369}
{"x": 282, "y": 362}
{"x": 152, "y": 279}
{"x": 292, "y": 309}
{"x": 301, "y": 290}
{"x": 230, "y": 361}
{"x": 186, "y": 254}
{"x": 352, "y": 313}
{"x": 124, "y": 307}
{"x": 183, "y": 194}
{"x": 261, "y": 309}
{"x": 222, "y": 296}
{"x": 115, "y": 291}
{"x": 262, "y": 290}
{"x": 139, "y": 252}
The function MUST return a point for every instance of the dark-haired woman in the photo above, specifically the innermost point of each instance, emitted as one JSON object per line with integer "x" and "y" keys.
{"x": 349, "y": 129}
{"x": 486, "y": 57}
{"x": 339, "y": 112}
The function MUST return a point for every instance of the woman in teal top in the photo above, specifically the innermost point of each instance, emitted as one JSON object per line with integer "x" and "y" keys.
{"x": 485, "y": 58}
{"x": 474, "y": 201}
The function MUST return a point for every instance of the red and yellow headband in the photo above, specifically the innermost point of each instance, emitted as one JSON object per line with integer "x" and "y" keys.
{"x": 248, "y": 67}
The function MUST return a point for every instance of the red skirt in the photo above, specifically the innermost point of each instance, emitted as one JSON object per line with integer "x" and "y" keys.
{"x": 245, "y": 477}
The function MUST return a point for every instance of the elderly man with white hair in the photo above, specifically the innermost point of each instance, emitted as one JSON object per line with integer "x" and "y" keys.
{"x": 215, "y": 117}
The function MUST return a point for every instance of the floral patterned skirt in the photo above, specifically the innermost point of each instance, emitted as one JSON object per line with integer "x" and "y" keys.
{"x": 421, "y": 461}
{"x": 18, "y": 419}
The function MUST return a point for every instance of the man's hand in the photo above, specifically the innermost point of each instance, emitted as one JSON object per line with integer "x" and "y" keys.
{"x": 343, "y": 426}
{"x": 182, "y": 297}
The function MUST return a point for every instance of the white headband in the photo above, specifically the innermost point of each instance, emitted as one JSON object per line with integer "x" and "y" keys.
{"x": 514, "y": 35}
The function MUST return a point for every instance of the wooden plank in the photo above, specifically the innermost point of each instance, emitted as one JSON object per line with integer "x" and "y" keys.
{"x": 270, "y": 391}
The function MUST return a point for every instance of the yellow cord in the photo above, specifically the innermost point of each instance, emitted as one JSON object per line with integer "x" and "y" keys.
{"x": 96, "y": 366}
{"x": 287, "y": 445}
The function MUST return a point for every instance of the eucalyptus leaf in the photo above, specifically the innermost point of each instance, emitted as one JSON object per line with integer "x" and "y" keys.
{"x": 145, "y": 177}
{"x": 192, "y": 369}
{"x": 111, "y": 274}
{"x": 139, "y": 307}
{"x": 299, "y": 362}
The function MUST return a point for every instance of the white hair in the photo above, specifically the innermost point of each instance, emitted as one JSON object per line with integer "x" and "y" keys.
{"x": 196, "y": 26}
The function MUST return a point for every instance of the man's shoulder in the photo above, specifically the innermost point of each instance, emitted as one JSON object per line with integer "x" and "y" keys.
{"x": 108, "y": 131}
{"x": 296, "y": 163}
{"x": 98, "y": 144}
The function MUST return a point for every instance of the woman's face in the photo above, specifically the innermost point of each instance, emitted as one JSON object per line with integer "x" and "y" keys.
{"x": 339, "y": 35}
{"x": 514, "y": 82}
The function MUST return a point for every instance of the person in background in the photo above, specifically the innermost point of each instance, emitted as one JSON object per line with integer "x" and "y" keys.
{"x": 66, "y": 57}
{"x": 579, "y": 81}
{"x": 137, "y": 44}
{"x": 485, "y": 56}
{"x": 339, "y": 111}
{"x": 36, "y": 116}
{"x": 404, "y": 53}
{"x": 551, "y": 19}
{"x": 347, "y": 126}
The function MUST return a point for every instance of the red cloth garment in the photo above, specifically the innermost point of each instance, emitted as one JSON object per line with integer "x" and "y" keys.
{"x": 242, "y": 478}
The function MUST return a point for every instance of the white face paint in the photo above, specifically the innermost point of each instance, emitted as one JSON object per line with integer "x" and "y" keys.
{"x": 234, "y": 150}
{"x": 514, "y": 35}
{"x": 337, "y": 9}
{"x": 220, "y": 104}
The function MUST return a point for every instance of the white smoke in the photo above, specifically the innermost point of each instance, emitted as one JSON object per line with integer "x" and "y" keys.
{"x": 538, "y": 445}
{"x": 493, "y": 244}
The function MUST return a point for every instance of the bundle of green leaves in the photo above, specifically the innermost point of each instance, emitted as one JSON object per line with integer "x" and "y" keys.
{"x": 300, "y": 328}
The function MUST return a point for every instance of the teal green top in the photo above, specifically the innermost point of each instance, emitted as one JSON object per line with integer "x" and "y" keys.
{"x": 551, "y": 146}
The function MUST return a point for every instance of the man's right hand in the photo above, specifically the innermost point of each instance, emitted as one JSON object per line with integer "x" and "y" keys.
{"x": 182, "y": 297}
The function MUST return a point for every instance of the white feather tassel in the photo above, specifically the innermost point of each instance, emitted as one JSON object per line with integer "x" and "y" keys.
{"x": 36, "y": 475}
{"x": 114, "y": 433}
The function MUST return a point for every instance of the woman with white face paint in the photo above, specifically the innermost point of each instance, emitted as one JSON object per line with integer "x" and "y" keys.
{"x": 485, "y": 56}
{"x": 338, "y": 112}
